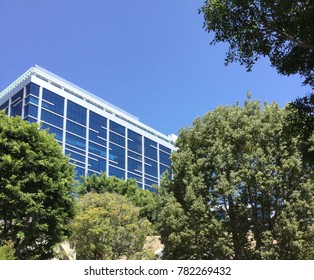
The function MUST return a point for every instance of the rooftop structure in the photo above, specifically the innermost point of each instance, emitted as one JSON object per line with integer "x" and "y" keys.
{"x": 96, "y": 135}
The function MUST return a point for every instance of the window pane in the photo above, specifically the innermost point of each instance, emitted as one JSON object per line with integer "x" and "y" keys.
{"x": 53, "y": 102}
{"x": 165, "y": 149}
{"x": 97, "y": 164}
{"x": 75, "y": 141}
{"x": 150, "y": 148}
{"x": 134, "y": 141}
{"x": 4, "y": 105}
{"x": 150, "y": 167}
{"x": 164, "y": 168}
{"x": 58, "y": 132}
{"x": 116, "y": 172}
{"x": 31, "y": 99}
{"x": 75, "y": 156}
{"x": 97, "y": 122}
{"x": 31, "y": 110}
{"x": 32, "y": 88}
{"x": 117, "y": 128}
{"x": 135, "y": 166}
{"x": 76, "y": 112}
{"x": 117, "y": 155}
{"x": 17, "y": 97}
{"x": 164, "y": 158}
{"x": 51, "y": 118}
{"x": 95, "y": 136}
{"x": 76, "y": 128}
{"x": 96, "y": 149}
{"x": 16, "y": 109}
{"x": 114, "y": 138}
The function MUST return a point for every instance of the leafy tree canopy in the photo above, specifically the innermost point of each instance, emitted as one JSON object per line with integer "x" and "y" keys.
{"x": 35, "y": 189}
{"x": 300, "y": 122}
{"x": 7, "y": 251}
{"x": 144, "y": 199}
{"x": 240, "y": 189}
{"x": 282, "y": 30}
{"x": 108, "y": 226}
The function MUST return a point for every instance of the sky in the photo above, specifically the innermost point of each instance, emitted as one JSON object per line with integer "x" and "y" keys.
{"x": 152, "y": 59}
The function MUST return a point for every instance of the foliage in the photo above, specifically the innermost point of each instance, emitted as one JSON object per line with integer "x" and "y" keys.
{"x": 108, "y": 226}
{"x": 35, "y": 189}
{"x": 146, "y": 200}
{"x": 7, "y": 251}
{"x": 300, "y": 122}
{"x": 240, "y": 189}
{"x": 282, "y": 30}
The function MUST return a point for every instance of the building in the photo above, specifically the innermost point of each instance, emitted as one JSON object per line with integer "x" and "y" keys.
{"x": 96, "y": 135}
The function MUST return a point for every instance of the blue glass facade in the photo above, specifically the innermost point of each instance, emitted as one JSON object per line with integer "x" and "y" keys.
{"x": 95, "y": 142}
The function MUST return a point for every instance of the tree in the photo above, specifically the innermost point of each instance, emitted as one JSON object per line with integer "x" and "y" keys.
{"x": 107, "y": 226}
{"x": 7, "y": 251}
{"x": 144, "y": 199}
{"x": 35, "y": 189}
{"x": 240, "y": 189}
{"x": 282, "y": 30}
{"x": 300, "y": 122}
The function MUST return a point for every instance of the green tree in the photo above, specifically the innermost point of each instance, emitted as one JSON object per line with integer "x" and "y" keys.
{"x": 108, "y": 226}
{"x": 7, "y": 251}
{"x": 144, "y": 199}
{"x": 300, "y": 122}
{"x": 282, "y": 30}
{"x": 240, "y": 189}
{"x": 35, "y": 189}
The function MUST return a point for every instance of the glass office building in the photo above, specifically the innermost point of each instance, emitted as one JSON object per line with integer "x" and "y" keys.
{"x": 97, "y": 136}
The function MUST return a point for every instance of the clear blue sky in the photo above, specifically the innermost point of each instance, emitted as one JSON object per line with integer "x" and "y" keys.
{"x": 150, "y": 58}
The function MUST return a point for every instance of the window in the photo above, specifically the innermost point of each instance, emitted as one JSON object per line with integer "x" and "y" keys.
{"x": 31, "y": 99}
{"x": 97, "y": 164}
{"x": 75, "y": 141}
{"x": 95, "y": 136}
{"x": 164, "y": 168}
{"x": 134, "y": 141}
{"x": 96, "y": 121}
{"x": 150, "y": 148}
{"x": 32, "y": 88}
{"x": 165, "y": 149}
{"x": 17, "y": 104}
{"x": 150, "y": 182}
{"x": 75, "y": 156}
{"x": 114, "y": 138}
{"x": 134, "y": 155}
{"x": 71, "y": 148}
{"x": 51, "y": 118}
{"x": 76, "y": 128}
{"x": 31, "y": 110}
{"x": 116, "y": 172}
{"x": 96, "y": 149}
{"x": 53, "y": 130}
{"x": 135, "y": 166}
{"x": 76, "y": 113}
{"x": 17, "y": 97}
{"x": 16, "y": 109}
{"x": 117, "y": 155}
{"x": 136, "y": 177}
{"x": 117, "y": 128}
{"x": 5, "y": 106}
{"x": 151, "y": 167}
{"x": 164, "y": 158}
{"x": 30, "y": 120}
{"x": 53, "y": 102}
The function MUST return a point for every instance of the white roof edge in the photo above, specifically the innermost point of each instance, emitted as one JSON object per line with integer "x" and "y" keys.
{"x": 87, "y": 95}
